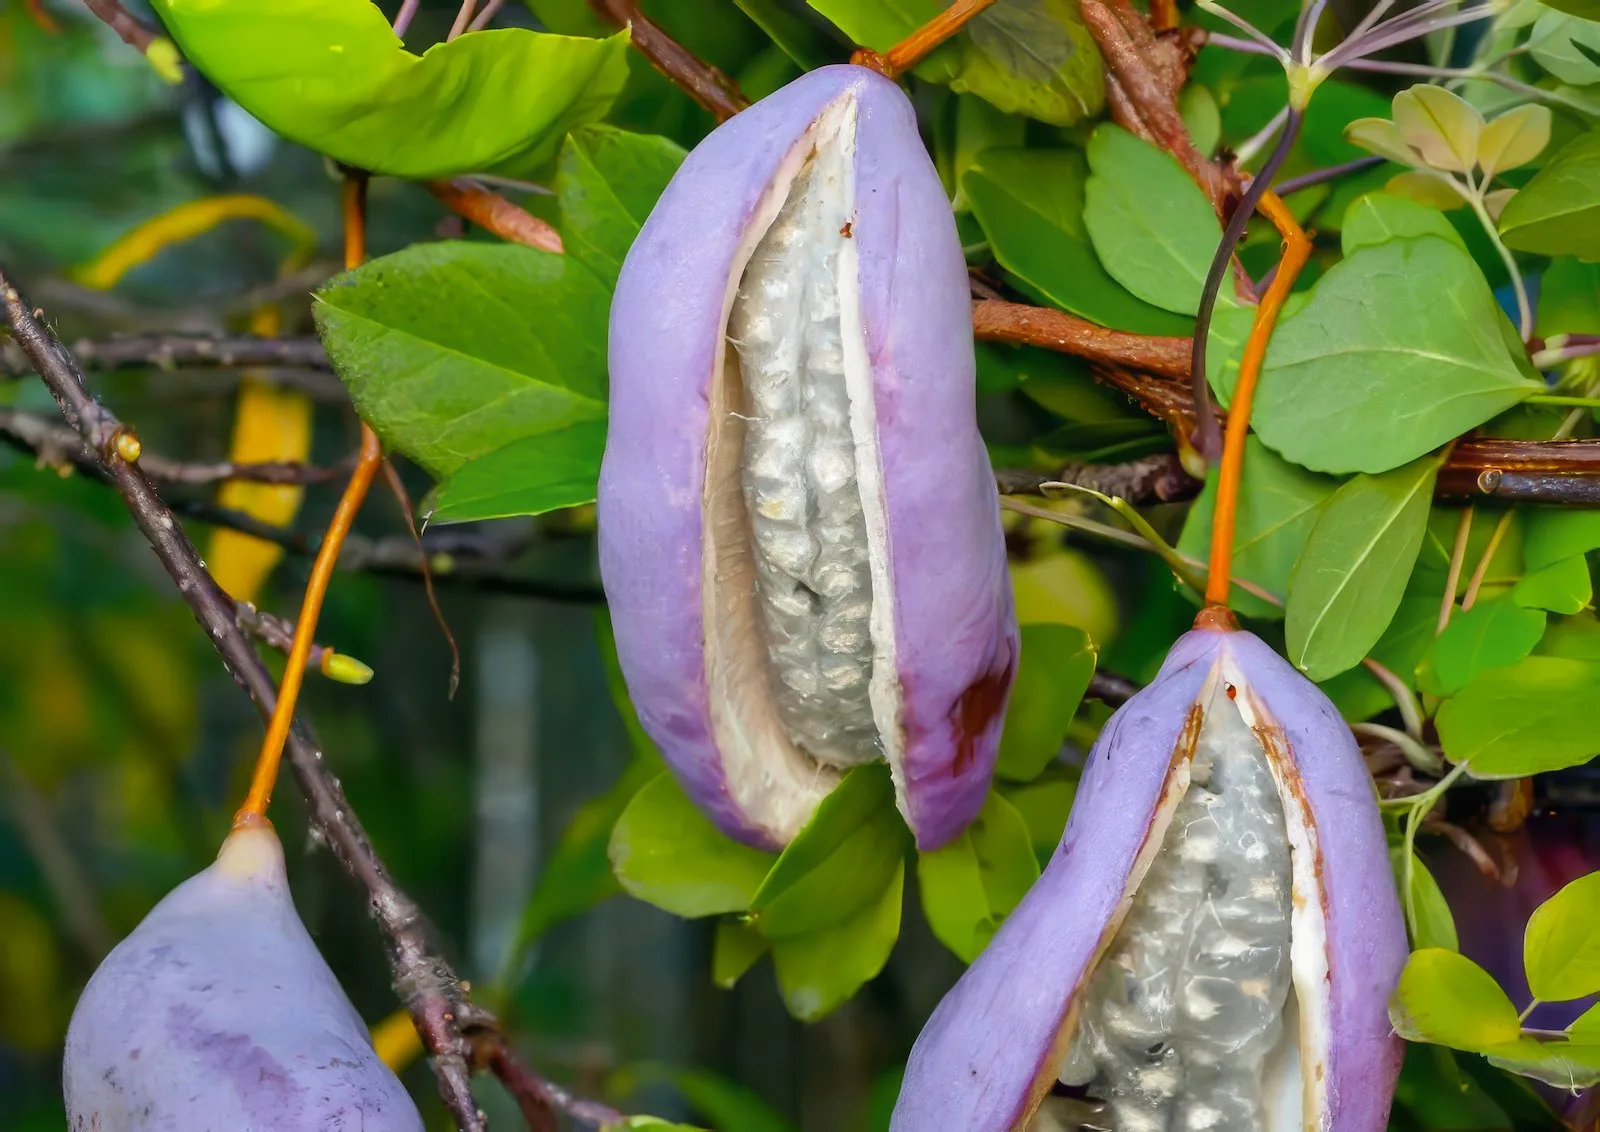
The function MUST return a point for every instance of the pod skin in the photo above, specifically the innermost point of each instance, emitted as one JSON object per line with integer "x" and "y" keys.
{"x": 218, "y": 1012}
{"x": 831, "y": 167}
{"x": 999, "y": 1039}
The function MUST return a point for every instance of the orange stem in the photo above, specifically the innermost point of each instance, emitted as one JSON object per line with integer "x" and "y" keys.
{"x": 254, "y": 810}
{"x": 920, "y": 44}
{"x": 1296, "y": 251}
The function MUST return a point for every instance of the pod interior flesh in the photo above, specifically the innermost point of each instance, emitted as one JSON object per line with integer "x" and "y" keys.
{"x": 801, "y": 662}
{"x": 1215, "y": 942}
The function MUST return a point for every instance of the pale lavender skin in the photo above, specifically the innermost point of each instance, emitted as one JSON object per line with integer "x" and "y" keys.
{"x": 954, "y": 624}
{"x": 218, "y": 1013}
{"x": 975, "y": 1063}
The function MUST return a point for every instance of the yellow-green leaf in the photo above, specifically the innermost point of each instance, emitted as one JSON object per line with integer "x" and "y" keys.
{"x": 1447, "y": 999}
{"x": 1561, "y": 950}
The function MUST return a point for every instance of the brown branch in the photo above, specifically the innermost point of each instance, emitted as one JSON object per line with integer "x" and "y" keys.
{"x": 1144, "y": 74}
{"x": 175, "y": 351}
{"x": 538, "y": 1098}
{"x": 424, "y": 979}
{"x": 1531, "y": 471}
{"x": 62, "y": 447}
{"x": 698, "y": 79}
{"x": 994, "y": 320}
{"x": 277, "y": 633}
{"x": 1110, "y": 689}
{"x": 494, "y": 213}
{"x": 1150, "y": 479}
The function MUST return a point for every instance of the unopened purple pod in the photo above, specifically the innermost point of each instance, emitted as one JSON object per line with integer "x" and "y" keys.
{"x": 217, "y": 1012}
{"x": 799, "y": 532}
{"x": 1215, "y": 942}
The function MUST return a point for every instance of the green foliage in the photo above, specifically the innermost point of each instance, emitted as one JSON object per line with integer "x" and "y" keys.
{"x": 667, "y": 852}
{"x": 1378, "y": 218}
{"x": 1447, "y": 999}
{"x": 818, "y": 971}
{"x": 1493, "y": 633}
{"x": 970, "y": 885}
{"x": 1031, "y": 206}
{"x": 1151, "y": 225}
{"x": 331, "y": 75}
{"x": 1532, "y": 717}
{"x": 1056, "y": 666}
{"x": 1562, "y": 947}
{"x": 839, "y": 862}
{"x": 1351, "y": 577}
{"x": 1044, "y": 805}
{"x": 1558, "y": 212}
{"x": 446, "y": 383}
{"x": 607, "y": 182}
{"x": 1401, "y": 348}
{"x": 1277, "y": 510}
{"x": 1032, "y": 57}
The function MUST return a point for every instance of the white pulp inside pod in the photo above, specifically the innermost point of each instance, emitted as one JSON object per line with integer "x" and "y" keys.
{"x": 1195, "y": 1015}
{"x": 799, "y": 633}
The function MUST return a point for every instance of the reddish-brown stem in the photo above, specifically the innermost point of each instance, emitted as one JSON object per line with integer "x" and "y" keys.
{"x": 494, "y": 213}
{"x": 698, "y": 79}
{"x": 1296, "y": 251}
{"x": 254, "y": 809}
{"x": 917, "y": 46}
{"x": 994, "y": 320}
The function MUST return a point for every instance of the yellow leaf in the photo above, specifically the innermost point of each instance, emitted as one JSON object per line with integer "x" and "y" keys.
{"x": 1515, "y": 138}
{"x": 1443, "y": 127}
{"x": 1380, "y": 136}
{"x": 186, "y": 221}
{"x": 1425, "y": 187}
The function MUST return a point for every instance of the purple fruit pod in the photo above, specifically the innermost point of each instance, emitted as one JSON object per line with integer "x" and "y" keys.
{"x": 219, "y": 1012}
{"x": 1213, "y": 945}
{"x": 799, "y": 532}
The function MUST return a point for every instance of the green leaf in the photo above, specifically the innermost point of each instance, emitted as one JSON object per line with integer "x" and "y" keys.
{"x": 1569, "y": 298}
{"x": 1551, "y": 535}
{"x": 668, "y": 853}
{"x": 332, "y": 75}
{"x": 839, "y": 862}
{"x": 1583, "y": 9}
{"x": 1277, "y": 509}
{"x": 1530, "y": 718}
{"x": 650, "y": 1124}
{"x": 734, "y": 951}
{"x": 1576, "y": 638}
{"x": 1032, "y": 57}
{"x": 526, "y": 477}
{"x": 1045, "y": 804}
{"x": 1558, "y": 212}
{"x": 1057, "y": 664}
{"x": 1558, "y": 43}
{"x": 578, "y": 875}
{"x": 1377, "y": 218}
{"x": 1030, "y": 205}
{"x": 970, "y": 885}
{"x": 726, "y": 1104}
{"x": 1586, "y": 1027}
{"x": 607, "y": 181}
{"x": 1201, "y": 117}
{"x": 1230, "y": 328}
{"x": 796, "y": 36}
{"x": 820, "y": 970}
{"x": 1436, "y": 927}
{"x": 1151, "y": 225}
{"x": 1494, "y": 632}
{"x": 1029, "y": 57}
{"x": 452, "y": 350}
{"x": 1561, "y": 950}
{"x": 1566, "y": 1065}
{"x": 1348, "y": 582}
{"x": 1447, "y": 999}
{"x": 1400, "y": 349}
{"x": 1564, "y": 586}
